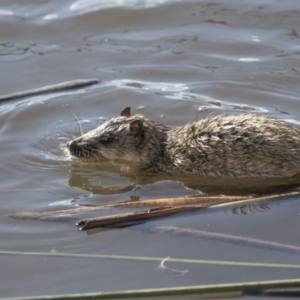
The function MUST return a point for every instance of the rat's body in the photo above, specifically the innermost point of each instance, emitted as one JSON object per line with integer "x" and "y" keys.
{"x": 233, "y": 146}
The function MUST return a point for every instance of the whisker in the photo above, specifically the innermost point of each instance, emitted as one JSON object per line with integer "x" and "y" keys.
{"x": 80, "y": 127}
{"x": 97, "y": 158}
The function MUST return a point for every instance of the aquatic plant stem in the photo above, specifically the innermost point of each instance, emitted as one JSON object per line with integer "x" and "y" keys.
{"x": 154, "y": 259}
{"x": 175, "y": 291}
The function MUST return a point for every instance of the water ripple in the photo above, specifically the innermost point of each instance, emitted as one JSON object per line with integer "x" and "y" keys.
{"x": 180, "y": 91}
{"x": 84, "y": 6}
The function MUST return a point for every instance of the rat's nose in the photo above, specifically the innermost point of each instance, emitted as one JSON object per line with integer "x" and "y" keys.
{"x": 76, "y": 148}
{"x": 71, "y": 146}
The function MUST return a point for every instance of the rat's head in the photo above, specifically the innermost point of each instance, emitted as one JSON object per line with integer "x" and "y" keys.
{"x": 129, "y": 138}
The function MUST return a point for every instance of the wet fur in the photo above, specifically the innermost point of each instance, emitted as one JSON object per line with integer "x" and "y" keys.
{"x": 231, "y": 146}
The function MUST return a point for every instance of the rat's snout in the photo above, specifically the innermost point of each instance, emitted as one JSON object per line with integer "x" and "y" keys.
{"x": 79, "y": 148}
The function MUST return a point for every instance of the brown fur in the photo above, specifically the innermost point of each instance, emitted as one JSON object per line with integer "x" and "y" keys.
{"x": 240, "y": 146}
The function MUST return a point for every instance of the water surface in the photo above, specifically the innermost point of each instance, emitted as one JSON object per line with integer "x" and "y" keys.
{"x": 173, "y": 61}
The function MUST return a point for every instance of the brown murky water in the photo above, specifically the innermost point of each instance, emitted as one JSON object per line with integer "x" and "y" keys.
{"x": 171, "y": 60}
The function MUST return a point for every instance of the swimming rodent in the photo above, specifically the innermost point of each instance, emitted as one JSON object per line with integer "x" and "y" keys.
{"x": 227, "y": 146}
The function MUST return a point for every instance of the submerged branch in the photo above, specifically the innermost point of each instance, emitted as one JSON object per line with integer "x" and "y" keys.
{"x": 223, "y": 237}
{"x": 123, "y": 220}
{"x": 63, "y": 214}
{"x": 51, "y": 89}
{"x": 162, "y": 207}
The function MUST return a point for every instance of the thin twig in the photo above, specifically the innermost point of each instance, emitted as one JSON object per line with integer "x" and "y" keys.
{"x": 179, "y": 201}
{"x": 168, "y": 269}
{"x": 258, "y": 199}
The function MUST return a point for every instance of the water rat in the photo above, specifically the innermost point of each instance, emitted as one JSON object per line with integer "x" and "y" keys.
{"x": 230, "y": 146}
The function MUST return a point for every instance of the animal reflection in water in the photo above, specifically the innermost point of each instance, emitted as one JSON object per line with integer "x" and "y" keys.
{"x": 219, "y": 154}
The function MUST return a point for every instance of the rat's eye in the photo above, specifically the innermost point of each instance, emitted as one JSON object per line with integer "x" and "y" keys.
{"x": 105, "y": 140}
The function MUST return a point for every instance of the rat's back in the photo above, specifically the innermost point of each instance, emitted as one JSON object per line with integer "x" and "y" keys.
{"x": 236, "y": 146}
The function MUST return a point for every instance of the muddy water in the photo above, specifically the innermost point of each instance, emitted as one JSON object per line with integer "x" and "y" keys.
{"x": 171, "y": 60}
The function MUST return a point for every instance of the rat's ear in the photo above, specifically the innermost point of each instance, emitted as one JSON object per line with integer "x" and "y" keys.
{"x": 136, "y": 127}
{"x": 125, "y": 112}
